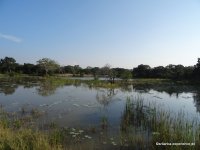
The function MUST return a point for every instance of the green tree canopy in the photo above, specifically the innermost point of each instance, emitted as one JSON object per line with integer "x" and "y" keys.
{"x": 126, "y": 75}
{"x": 197, "y": 69}
{"x": 8, "y": 64}
{"x": 47, "y": 65}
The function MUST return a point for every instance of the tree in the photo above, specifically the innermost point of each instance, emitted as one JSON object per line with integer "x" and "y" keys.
{"x": 105, "y": 70}
{"x": 112, "y": 75}
{"x": 95, "y": 72}
{"x": 126, "y": 75}
{"x": 87, "y": 70}
{"x": 77, "y": 70}
{"x": 158, "y": 72}
{"x": 142, "y": 71}
{"x": 197, "y": 69}
{"x": 119, "y": 71}
{"x": 109, "y": 73}
{"x": 69, "y": 69}
{"x": 29, "y": 68}
{"x": 170, "y": 71}
{"x": 188, "y": 72}
{"x": 47, "y": 65}
{"x": 8, "y": 64}
{"x": 179, "y": 72}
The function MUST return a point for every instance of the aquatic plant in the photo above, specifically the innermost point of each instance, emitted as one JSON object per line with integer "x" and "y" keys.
{"x": 145, "y": 125}
{"x": 104, "y": 122}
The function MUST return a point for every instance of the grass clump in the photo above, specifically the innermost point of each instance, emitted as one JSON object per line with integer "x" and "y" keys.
{"x": 15, "y": 135}
{"x": 146, "y": 125}
{"x": 24, "y": 139}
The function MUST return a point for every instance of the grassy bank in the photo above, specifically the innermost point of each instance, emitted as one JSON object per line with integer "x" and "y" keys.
{"x": 136, "y": 81}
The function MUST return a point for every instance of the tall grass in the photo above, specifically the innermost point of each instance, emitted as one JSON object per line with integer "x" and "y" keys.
{"x": 147, "y": 125}
{"x": 16, "y": 133}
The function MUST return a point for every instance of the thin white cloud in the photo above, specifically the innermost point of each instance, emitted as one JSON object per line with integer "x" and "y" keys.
{"x": 10, "y": 38}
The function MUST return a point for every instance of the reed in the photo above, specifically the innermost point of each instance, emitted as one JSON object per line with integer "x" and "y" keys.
{"x": 145, "y": 125}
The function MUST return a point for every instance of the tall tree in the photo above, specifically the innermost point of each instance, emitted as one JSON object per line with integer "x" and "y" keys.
{"x": 47, "y": 65}
{"x": 8, "y": 64}
{"x": 29, "y": 68}
{"x": 142, "y": 71}
{"x": 197, "y": 69}
{"x": 158, "y": 72}
{"x": 109, "y": 72}
{"x": 126, "y": 75}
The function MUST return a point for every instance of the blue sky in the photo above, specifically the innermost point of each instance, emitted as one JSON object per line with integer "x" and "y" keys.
{"x": 123, "y": 33}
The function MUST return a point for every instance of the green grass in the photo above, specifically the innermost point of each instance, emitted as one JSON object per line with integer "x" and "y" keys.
{"x": 17, "y": 134}
{"x": 159, "y": 125}
{"x": 24, "y": 139}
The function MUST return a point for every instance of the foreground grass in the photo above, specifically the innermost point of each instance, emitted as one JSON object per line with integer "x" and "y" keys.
{"x": 148, "y": 126}
{"x": 17, "y": 133}
{"x": 24, "y": 139}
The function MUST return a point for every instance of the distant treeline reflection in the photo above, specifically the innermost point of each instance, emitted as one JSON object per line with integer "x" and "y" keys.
{"x": 47, "y": 87}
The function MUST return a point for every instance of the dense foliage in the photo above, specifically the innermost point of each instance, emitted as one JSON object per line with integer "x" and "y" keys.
{"x": 170, "y": 72}
{"x": 48, "y": 66}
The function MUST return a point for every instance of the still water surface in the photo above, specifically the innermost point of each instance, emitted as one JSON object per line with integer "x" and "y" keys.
{"x": 82, "y": 106}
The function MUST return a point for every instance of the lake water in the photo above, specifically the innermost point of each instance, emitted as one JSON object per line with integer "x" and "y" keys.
{"x": 81, "y": 106}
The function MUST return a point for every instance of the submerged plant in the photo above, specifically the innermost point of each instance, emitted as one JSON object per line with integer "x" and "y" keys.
{"x": 104, "y": 122}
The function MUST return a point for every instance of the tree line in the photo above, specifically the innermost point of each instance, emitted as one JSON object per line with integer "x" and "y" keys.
{"x": 171, "y": 71}
{"x": 47, "y": 66}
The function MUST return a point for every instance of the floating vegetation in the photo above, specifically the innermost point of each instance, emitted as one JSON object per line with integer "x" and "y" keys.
{"x": 113, "y": 143}
{"x": 89, "y": 105}
{"x": 55, "y": 103}
{"x": 186, "y": 97}
{"x": 43, "y": 105}
{"x": 104, "y": 122}
{"x": 77, "y": 105}
{"x": 157, "y": 97}
{"x": 88, "y": 137}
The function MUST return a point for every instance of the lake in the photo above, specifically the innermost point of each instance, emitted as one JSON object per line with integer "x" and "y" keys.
{"x": 80, "y": 106}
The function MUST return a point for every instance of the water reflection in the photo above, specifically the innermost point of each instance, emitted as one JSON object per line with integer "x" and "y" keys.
{"x": 134, "y": 115}
{"x": 126, "y": 88}
{"x": 47, "y": 88}
{"x": 104, "y": 97}
{"x": 196, "y": 98}
{"x": 141, "y": 88}
{"x": 8, "y": 89}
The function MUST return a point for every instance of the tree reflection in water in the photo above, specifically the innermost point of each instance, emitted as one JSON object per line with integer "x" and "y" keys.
{"x": 47, "y": 88}
{"x": 196, "y": 98}
{"x": 8, "y": 89}
{"x": 105, "y": 96}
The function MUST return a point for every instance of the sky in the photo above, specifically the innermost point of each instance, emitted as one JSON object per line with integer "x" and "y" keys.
{"x": 122, "y": 33}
